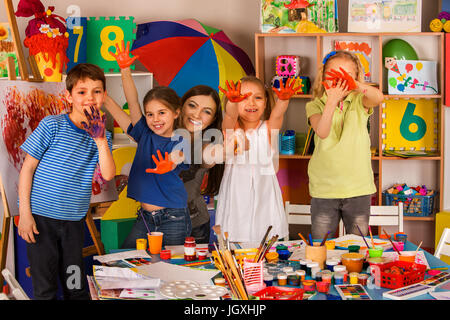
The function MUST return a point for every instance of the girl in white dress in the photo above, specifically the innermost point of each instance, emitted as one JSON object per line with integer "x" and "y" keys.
{"x": 249, "y": 199}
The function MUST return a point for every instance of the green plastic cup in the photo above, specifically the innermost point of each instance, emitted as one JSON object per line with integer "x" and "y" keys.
{"x": 376, "y": 252}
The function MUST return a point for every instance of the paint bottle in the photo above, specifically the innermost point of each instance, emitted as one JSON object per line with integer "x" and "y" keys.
{"x": 293, "y": 280}
{"x": 362, "y": 279}
{"x": 288, "y": 269}
{"x": 219, "y": 282}
{"x": 303, "y": 264}
{"x": 189, "y": 249}
{"x": 353, "y": 277}
{"x": 330, "y": 263}
{"x": 282, "y": 279}
{"x": 309, "y": 285}
{"x": 342, "y": 269}
{"x": 309, "y": 267}
{"x": 338, "y": 278}
{"x": 326, "y": 277}
{"x": 268, "y": 280}
{"x": 314, "y": 272}
{"x": 319, "y": 276}
{"x": 301, "y": 273}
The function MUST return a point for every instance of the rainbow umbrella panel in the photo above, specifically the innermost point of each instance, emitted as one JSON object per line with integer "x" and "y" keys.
{"x": 182, "y": 54}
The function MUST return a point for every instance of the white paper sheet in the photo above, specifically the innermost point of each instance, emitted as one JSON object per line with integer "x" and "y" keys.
{"x": 118, "y": 278}
{"x": 122, "y": 255}
{"x": 171, "y": 272}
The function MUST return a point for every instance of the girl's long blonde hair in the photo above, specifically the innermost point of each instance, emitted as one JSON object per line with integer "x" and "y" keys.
{"x": 267, "y": 91}
{"x": 318, "y": 88}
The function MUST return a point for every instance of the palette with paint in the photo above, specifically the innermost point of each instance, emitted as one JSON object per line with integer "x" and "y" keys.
{"x": 350, "y": 239}
{"x": 352, "y": 292}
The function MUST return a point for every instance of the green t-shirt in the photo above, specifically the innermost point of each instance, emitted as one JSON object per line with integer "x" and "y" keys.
{"x": 341, "y": 166}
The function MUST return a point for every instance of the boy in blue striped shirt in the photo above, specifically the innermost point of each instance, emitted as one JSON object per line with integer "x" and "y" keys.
{"x": 55, "y": 185}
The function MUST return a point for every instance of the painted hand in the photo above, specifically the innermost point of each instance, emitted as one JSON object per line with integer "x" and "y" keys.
{"x": 286, "y": 92}
{"x": 234, "y": 93}
{"x": 163, "y": 165}
{"x": 95, "y": 125}
{"x": 122, "y": 56}
{"x": 334, "y": 76}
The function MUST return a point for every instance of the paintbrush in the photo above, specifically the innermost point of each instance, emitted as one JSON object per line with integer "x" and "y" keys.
{"x": 227, "y": 241}
{"x": 303, "y": 238}
{"x": 389, "y": 237}
{"x": 269, "y": 245}
{"x": 371, "y": 237}
{"x": 223, "y": 268}
{"x": 263, "y": 241}
{"x": 325, "y": 238}
{"x": 419, "y": 247}
{"x": 310, "y": 240}
{"x": 218, "y": 230}
{"x": 363, "y": 237}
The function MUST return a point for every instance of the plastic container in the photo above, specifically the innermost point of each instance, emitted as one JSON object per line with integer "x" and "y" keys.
{"x": 330, "y": 263}
{"x": 314, "y": 272}
{"x": 330, "y": 244}
{"x": 280, "y": 293}
{"x": 326, "y": 276}
{"x": 301, "y": 273}
{"x": 338, "y": 278}
{"x": 353, "y": 261}
{"x": 309, "y": 285}
{"x": 323, "y": 286}
{"x": 362, "y": 279}
{"x": 401, "y": 236}
{"x": 287, "y": 142}
{"x": 282, "y": 279}
{"x": 407, "y": 256}
{"x": 272, "y": 257}
{"x": 165, "y": 254}
{"x": 189, "y": 249}
{"x": 399, "y": 245}
{"x": 375, "y": 252}
{"x": 268, "y": 280}
{"x": 310, "y": 266}
{"x": 353, "y": 248}
{"x": 220, "y": 282}
{"x": 353, "y": 277}
{"x": 413, "y": 205}
{"x": 253, "y": 275}
{"x": 293, "y": 280}
{"x": 414, "y": 273}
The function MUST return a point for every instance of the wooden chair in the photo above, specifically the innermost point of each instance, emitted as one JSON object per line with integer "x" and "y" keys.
{"x": 297, "y": 213}
{"x": 379, "y": 216}
{"x": 382, "y": 216}
{"x": 443, "y": 248}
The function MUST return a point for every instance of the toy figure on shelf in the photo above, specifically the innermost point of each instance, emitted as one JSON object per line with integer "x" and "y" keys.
{"x": 46, "y": 38}
{"x": 441, "y": 23}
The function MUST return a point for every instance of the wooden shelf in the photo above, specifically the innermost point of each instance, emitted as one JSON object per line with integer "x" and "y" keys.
{"x": 412, "y": 96}
{"x": 428, "y": 218}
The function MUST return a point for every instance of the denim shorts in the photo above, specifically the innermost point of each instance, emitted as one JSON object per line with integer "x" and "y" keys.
{"x": 174, "y": 223}
{"x": 326, "y": 214}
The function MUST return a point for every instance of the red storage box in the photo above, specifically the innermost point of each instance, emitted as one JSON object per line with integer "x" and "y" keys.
{"x": 413, "y": 273}
{"x": 280, "y": 293}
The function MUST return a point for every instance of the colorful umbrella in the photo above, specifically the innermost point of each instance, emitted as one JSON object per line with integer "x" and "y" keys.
{"x": 182, "y": 54}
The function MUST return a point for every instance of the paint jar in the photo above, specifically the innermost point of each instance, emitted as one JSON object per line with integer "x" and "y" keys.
{"x": 189, "y": 249}
{"x": 400, "y": 246}
{"x": 318, "y": 276}
{"x": 202, "y": 253}
{"x": 338, "y": 278}
{"x": 400, "y": 236}
{"x": 165, "y": 254}
{"x": 314, "y": 272}
{"x": 330, "y": 263}
{"x": 317, "y": 253}
{"x": 362, "y": 279}
{"x": 375, "y": 252}
{"x": 339, "y": 268}
{"x": 353, "y": 277}
{"x": 301, "y": 274}
{"x": 303, "y": 264}
{"x": 283, "y": 252}
{"x": 309, "y": 267}
{"x": 330, "y": 244}
{"x": 282, "y": 279}
{"x": 219, "y": 282}
{"x": 293, "y": 280}
{"x": 309, "y": 285}
{"x": 322, "y": 286}
{"x": 353, "y": 261}
{"x": 353, "y": 248}
{"x": 272, "y": 257}
{"x": 407, "y": 256}
{"x": 141, "y": 244}
{"x": 268, "y": 280}
{"x": 326, "y": 277}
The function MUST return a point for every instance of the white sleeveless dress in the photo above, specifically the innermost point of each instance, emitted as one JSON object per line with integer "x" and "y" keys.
{"x": 249, "y": 199}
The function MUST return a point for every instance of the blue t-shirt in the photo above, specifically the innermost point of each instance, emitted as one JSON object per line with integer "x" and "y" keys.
{"x": 62, "y": 183}
{"x": 164, "y": 190}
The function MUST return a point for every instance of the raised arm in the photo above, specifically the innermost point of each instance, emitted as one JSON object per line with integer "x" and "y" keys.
{"x": 124, "y": 61}
{"x": 284, "y": 94}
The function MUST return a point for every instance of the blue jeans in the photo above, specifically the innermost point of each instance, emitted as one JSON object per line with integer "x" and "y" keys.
{"x": 326, "y": 213}
{"x": 175, "y": 224}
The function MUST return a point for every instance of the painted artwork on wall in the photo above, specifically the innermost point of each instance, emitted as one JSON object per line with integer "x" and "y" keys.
{"x": 412, "y": 77}
{"x": 410, "y": 124}
{"x": 384, "y": 15}
{"x": 363, "y": 50}
{"x": 6, "y": 50}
